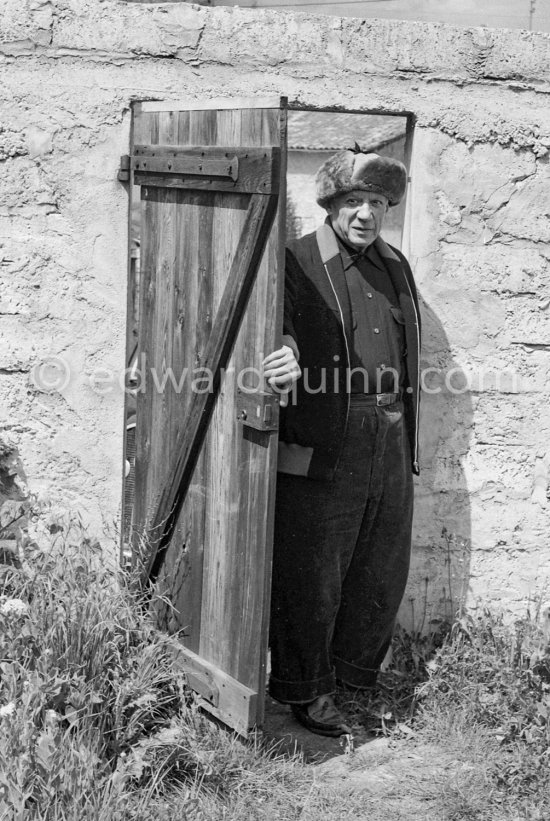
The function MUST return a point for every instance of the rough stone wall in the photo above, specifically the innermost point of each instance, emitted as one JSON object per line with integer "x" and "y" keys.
{"x": 478, "y": 239}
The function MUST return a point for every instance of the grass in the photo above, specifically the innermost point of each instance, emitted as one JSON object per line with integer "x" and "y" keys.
{"x": 488, "y": 697}
{"x": 97, "y": 723}
{"x": 476, "y": 698}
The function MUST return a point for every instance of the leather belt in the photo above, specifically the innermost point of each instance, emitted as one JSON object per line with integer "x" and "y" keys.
{"x": 377, "y": 398}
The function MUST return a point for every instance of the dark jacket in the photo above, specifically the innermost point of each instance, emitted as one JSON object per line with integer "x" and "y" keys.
{"x": 317, "y": 315}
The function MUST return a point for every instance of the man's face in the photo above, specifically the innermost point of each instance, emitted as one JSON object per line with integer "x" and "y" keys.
{"x": 357, "y": 217}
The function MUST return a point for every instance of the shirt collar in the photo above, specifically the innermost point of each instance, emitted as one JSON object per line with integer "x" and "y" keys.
{"x": 350, "y": 256}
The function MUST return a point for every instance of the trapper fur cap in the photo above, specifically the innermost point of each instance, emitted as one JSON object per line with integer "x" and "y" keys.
{"x": 353, "y": 170}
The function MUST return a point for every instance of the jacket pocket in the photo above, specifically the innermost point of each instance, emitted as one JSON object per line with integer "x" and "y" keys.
{"x": 397, "y": 314}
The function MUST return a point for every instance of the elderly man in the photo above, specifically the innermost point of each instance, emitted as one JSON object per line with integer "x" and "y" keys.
{"x": 348, "y": 443}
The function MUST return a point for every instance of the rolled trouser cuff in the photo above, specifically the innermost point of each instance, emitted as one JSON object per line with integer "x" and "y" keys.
{"x": 353, "y": 675}
{"x": 301, "y": 692}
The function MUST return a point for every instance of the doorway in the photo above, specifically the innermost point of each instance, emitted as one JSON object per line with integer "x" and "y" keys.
{"x": 211, "y": 200}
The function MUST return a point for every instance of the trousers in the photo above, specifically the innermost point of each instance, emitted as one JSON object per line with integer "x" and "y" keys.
{"x": 341, "y": 560}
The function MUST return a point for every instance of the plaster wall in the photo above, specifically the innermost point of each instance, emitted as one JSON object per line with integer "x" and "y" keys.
{"x": 478, "y": 237}
{"x": 533, "y": 15}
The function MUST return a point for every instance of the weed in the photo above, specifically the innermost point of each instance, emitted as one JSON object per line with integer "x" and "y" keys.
{"x": 390, "y": 709}
{"x": 96, "y": 720}
{"x": 495, "y": 677}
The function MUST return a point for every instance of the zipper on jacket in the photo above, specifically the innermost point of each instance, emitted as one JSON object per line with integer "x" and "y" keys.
{"x": 417, "y": 411}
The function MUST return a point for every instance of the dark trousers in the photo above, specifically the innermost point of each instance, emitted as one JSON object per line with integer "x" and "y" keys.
{"x": 341, "y": 560}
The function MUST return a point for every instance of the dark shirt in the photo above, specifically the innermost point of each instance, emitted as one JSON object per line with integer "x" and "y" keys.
{"x": 378, "y": 344}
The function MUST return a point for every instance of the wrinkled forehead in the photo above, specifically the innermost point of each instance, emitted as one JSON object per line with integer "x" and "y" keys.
{"x": 366, "y": 196}
{"x": 358, "y": 195}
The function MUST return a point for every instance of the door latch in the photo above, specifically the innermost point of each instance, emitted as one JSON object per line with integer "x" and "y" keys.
{"x": 258, "y": 409}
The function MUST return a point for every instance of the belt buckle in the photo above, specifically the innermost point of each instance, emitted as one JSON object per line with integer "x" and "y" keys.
{"x": 384, "y": 399}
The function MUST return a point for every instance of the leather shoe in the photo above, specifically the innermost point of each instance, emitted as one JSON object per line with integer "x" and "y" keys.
{"x": 321, "y": 716}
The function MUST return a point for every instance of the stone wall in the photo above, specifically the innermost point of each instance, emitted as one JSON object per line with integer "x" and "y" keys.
{"x": 478, "y": 237}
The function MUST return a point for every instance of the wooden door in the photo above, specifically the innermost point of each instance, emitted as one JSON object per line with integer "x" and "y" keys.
{"x": 210, "y": 287}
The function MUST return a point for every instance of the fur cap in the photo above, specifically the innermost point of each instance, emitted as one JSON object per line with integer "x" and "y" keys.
{"x": 353, "y": 170}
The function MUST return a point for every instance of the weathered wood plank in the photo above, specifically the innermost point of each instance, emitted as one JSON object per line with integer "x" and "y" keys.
{"x": 149, "y": 245}
{"x": 224, "y": 696}
{"x": 216, "y": 356}
{"x": 261, "y": 495}
{"x": 217, "y": 570}
{"x": 260, "y": 335}
{"x": 156, "y": 342}
{"x": 227, "y": 576}
{"x": 240, "y": 561}
{"x": 196, "y": 129}
{"x": 182, "y": 576}
{"x": 184, "y": 300}
{"x": 214, "y": 104}
{"x": 206, "y": 184}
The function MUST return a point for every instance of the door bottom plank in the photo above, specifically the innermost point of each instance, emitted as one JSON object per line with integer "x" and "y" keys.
{"x": 219, "y": 693}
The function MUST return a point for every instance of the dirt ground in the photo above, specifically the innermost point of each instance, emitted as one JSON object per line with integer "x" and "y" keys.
{"x": 405, "y": 776}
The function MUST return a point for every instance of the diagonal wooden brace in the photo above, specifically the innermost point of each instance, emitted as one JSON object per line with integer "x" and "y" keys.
{"x": 247, "y": 258}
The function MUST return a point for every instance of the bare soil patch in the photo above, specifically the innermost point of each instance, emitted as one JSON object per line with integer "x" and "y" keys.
{"x": 398, "y": 779}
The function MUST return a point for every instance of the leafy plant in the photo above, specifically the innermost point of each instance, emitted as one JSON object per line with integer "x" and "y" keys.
{"x": 96, "y": 720}
{"x": 97, "y": 723}
{"x": 495, "y": 676}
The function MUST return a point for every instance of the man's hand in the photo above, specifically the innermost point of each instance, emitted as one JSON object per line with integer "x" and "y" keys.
{"x": 281, "y": 370}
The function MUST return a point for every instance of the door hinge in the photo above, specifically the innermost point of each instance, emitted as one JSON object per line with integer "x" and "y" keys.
{"x": 209, "y": 168}
{"x": 195, "y": 165}
{"x": 124, "y": 169}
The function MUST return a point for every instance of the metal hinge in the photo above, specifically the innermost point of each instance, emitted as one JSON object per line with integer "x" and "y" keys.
{"x": 193, "y": 164}
{"x": 207, "y": 168}
{"x": 124, "y": 169}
